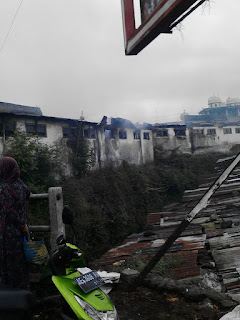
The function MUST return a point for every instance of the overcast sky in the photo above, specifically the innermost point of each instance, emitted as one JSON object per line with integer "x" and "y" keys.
{"x": 67, "y": 56}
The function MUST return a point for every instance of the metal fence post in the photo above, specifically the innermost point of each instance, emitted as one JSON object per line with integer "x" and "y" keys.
{"x": 55, "y": 211}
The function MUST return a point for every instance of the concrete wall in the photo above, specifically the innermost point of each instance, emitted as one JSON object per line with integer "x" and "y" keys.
{"x": 146, "y": 146}
{"x": 103, "y": 150}
{"x": 173, "y": 141}
{"x": 136, "y": 145}
{"x": 199, "y": 139}
{"x": 53, "y": 129}
{"x": 221, "y": 141}
{"x": 135, "y": 151}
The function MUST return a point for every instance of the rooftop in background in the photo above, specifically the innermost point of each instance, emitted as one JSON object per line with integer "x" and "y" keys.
{"x": 217, "y": 112}
{"x": 122, "y": 123}
{"x": 19, "y": 109}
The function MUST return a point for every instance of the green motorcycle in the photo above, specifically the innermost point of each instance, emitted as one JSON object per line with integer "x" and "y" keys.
{"x": 79, "y": 286}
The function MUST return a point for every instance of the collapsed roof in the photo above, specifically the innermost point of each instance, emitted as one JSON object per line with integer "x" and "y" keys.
{"x": 19, "y": 109}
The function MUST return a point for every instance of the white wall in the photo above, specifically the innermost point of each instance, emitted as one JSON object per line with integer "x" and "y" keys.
{"x": 219, "y": 142}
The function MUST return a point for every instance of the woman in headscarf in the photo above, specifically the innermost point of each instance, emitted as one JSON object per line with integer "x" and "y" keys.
{"x": 13, "y": 223}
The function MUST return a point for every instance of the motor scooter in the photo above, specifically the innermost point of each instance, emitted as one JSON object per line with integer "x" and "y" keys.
{"x": 79, "y": 286}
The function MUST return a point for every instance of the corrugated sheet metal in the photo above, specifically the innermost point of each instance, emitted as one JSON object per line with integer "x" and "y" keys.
{"x": 217, "y": 226}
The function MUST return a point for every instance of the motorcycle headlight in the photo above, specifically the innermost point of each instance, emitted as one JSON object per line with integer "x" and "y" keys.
{"x": 96, "y": 314}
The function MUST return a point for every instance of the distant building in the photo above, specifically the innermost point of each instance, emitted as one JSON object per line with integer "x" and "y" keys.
{"x": 215, "y": 128}
{"x": 107, "y": 142}
{"x": 217, "y": 112}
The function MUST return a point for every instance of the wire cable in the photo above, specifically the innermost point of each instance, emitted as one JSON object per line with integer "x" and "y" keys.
{"x": 7, "y": 35}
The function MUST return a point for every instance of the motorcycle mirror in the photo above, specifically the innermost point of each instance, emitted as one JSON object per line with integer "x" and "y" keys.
{"x": 67, "y": 215}
{"x": 60, "y": 240}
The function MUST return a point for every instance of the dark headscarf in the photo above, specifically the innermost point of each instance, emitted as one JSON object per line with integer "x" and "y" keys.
{"x": 9, "y": 169}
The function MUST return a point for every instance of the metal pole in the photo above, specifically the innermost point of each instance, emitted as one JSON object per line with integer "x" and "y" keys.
{"x": 183, "y": 225}
{"x": 39, "y": 196}
{"x": 55, "y": 210}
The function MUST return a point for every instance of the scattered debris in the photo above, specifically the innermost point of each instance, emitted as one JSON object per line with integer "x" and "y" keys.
{"x": 211, "y": 244}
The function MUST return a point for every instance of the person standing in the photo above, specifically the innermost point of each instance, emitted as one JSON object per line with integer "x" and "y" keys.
{"x": 13, "y": 225}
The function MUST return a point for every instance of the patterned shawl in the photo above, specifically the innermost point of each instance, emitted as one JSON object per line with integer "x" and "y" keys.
{"x": 9, "y": 169}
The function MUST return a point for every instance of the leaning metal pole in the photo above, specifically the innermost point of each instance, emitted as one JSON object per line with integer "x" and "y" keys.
{"x": 183, "y": 225}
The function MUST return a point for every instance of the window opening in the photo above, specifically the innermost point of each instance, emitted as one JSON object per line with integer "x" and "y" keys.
{"x": 9, "y": 128}
{"x": 86, "y": 133}
{"x": 36, "y": 129}
{"x": 69, "y": 132}
{"x": 162, "y": 133}
{"x": 146, "y": 136}
{"x": 227, "y": 130}
{"x": 122, "y": 134}
{"x": 92, "y": 133}
{"x": 180, "y": 132}
{"x": 198, "y": 131}
{"x": 211, "y": 132}
{"x": 237, "y": 130}
{"x": 107, "y": 133}
{"x": 136, "y": 135}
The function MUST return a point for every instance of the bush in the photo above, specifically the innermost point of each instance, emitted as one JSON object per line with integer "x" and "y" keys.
{"x": 36, "y": 160}
{"x": 113, "y": 202}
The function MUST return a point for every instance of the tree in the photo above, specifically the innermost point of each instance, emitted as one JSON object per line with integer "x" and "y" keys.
{"x": 37, "y": 161}
{"x": 82, "y": 158}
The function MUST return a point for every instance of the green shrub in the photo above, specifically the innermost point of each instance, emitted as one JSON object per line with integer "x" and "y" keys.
{"x": 36, "y": 160}
{"x": 113, "y": 202}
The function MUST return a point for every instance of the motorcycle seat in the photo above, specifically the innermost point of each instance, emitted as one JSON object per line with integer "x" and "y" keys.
{"x": 15, "y": 299}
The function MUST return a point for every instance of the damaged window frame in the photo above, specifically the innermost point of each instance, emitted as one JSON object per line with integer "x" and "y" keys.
{"x": 114, "y": 133}
{"x": 7, "y": 128}
{"x": 36, "y": 129}
{"x": 122, "y": 134}
{"x": 211, "y": 132}
{"x": 89, "y": 133}
{"x": 136, "y": 135}
{"x": 146, "y": 136}
{"x": 198, "y": 131}
{"x": 180, "y": 132}
{"x": 162, "y": 133}
{"x": 69, "y": 132}
{"x": 227, "y": 130}
{"x": 108, "y": 133}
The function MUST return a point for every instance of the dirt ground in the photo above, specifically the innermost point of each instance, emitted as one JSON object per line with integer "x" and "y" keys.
{"x": 147, "y": 304}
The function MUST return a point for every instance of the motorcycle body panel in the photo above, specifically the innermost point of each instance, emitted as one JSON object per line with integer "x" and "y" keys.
{"x": 68, "y": 288}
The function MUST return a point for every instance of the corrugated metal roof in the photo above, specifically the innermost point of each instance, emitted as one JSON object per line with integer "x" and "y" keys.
{"x": 216, "y": 229}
